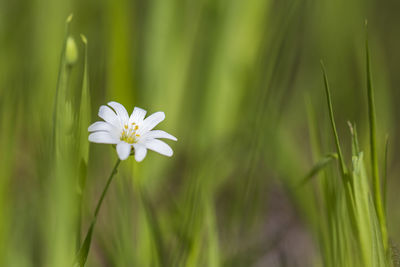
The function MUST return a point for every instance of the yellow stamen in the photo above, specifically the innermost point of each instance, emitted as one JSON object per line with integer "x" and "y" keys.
{"x": 129, "y": 134}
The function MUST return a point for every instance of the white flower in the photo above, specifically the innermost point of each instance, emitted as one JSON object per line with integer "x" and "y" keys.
{"x": 130, "y": 132}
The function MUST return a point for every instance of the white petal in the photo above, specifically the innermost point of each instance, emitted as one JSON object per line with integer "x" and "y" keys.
{"x": 107, "y": 114}
{"x": 102, "y": 137}
{"x": 105, "y": 127}
{"x": 120, "y": 110}
{"x": 140, "y": 152}
{"x": 151, "y": 121}
{"x": 101, "y": 126}
{"x": 138, "y": 115}
{"x": 123, "y": 150}
{"x": 160, "y": 147}
{"x": 159, "y": 134}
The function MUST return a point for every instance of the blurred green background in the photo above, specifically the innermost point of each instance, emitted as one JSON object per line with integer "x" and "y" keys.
{"x": 234, "y": 78}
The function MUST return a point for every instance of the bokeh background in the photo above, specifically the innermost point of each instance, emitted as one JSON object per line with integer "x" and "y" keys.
{"x": 235, "y": 79}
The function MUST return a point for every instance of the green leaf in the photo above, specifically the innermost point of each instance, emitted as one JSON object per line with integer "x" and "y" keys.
{"x": 84, "y": 250}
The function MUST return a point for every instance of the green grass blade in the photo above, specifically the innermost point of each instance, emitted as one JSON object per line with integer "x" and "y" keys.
{"x": 378, "y": 251}
{"x": 84, "y": 121}
{"x": 83, "y": 147}
{"x": 343, "y": 167}
{"x": 62, "y": 81}
{"x": 354, "y": 144}
{"x": 384, "y": 180}
{"x": 362, "y": 211}
{"x": 374, "y": 157}
{"x": 154, "y": 226}
{"x": 320, "y": 165}
{"x": 85, "y": 109}
{"x": 62, "y": 167}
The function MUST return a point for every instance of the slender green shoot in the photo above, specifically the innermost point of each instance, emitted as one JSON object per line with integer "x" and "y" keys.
{"x": 343, "y": 167}
{"x": 374, "y": 155}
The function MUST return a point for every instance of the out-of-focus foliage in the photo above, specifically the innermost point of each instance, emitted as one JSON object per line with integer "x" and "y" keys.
{"x": 233, "y": 78}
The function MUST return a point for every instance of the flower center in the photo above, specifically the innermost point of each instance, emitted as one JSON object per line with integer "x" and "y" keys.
{"x": 129, "y": 133}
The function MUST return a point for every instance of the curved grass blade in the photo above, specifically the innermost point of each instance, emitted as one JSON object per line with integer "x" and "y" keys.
{"x": 343, "y": 167}
{"x": 321, "y": 164}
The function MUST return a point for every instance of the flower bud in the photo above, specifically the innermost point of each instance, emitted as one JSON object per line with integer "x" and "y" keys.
{"x": 71, "y": 51}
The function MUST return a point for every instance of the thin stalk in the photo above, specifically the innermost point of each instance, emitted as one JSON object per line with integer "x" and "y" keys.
{"x": 374, "y": 158}
{"x": 332, "y": 119}
{"x": 84, "y": 250}
{"x": 114, "y": 171}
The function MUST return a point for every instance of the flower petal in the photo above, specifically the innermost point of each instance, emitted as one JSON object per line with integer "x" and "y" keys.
{"x": 107, "y": 114}
{"x": 123, "y": 150}
{"x": 138, "y": 115}
{"x": 101, "y": 126}
{"x": 105, "y": 127}
{"x": 159, "y": 147}
{"x": 102, "y": 137}
{"x": 120, "y": 110}
{"x": 159, "y": 134}
{"x": 140, "y": 152}
{"x": 151, "y": 121}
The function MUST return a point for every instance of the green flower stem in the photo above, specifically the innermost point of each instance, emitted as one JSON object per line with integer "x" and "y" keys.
{"x": 84, "y": 250}
{"x": 114, "y": 171}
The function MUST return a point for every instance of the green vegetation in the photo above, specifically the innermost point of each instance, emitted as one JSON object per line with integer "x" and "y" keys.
{"x": 267, "y": 170}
